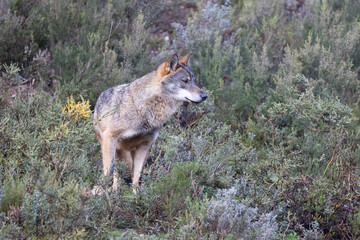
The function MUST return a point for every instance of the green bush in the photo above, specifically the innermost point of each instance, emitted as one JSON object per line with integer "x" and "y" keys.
{"x": 90, "y": 49}
{"x": 304, "y": 137}
{"x": 12, "y": 195}
{"x": 271, "y": 154}
{"x": 17, "y": 44}
{"x": 174, "y": 188}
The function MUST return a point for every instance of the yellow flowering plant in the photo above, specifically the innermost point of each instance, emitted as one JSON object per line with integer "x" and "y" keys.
{"x": 75, "y": 110}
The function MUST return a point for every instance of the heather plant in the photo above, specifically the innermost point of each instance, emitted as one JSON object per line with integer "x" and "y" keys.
{"x": 294, "y": 146}
{"x": 56, "y": 165}
{"x": 227, "y": 216}
{"x": 85, "y": 44}
{"x": 226, "y": 63}
{"x": 12, "y": 195}
{"x": 333, "y": 76}
{"x": 271, "y": 154}
{"x": 16, "y": 43}
{"x": 100, "y": 57}
{"x": 203, "y": 27}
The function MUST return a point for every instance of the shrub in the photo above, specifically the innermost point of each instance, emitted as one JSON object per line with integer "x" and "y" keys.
{"x": 12, "y": 195}
{"x": 16, "y": 42}
{"x": 291, "y": 124}
{"x": 271, "y": 154}
{"x": 237, "y": 75}
{"x": 225, "y": 217}
{"x": 228, "y": 217}
{"x": 183, "y": 181}
{"x": 90, "y": 49}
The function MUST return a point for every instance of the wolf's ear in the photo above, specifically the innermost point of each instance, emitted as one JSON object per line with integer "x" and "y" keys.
{"x": 169, "y": 66}
{"x": 185, "y": 60}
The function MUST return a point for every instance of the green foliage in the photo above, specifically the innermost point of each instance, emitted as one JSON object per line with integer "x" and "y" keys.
{"x": 305, "y": 135}
{"x": 97, "y": 53}
{"x": 90, "y": 49}
{"x": 46, "y": 135}
{"x": 175, "y": 187}
{"x": 16, "y": 42}
{"x": 271, "y": 154}
{"x": 12, "y": 195}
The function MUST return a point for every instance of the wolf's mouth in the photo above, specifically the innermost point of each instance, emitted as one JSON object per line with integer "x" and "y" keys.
{"x": 193, "y": 101}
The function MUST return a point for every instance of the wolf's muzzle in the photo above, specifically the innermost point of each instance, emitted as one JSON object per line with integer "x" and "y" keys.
{"x": 203, "y": 96}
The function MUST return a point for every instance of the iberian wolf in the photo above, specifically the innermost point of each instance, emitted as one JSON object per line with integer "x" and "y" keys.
{"x": 128, "y": 117}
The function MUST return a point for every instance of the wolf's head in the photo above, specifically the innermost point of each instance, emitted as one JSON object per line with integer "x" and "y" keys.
{"x": 178, "y": 81}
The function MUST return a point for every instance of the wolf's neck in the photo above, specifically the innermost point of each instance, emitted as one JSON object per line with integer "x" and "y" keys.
{"x": 161, "y": 108}
{"x": 152, "y": 103}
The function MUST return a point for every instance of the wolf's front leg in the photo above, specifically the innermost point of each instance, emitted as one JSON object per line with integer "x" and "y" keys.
{"x": 141, "y": 154}
{"x": 108, "y": 150}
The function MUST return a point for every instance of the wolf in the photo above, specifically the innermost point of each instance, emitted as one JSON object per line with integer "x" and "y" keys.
{"x": 128, "y": 117}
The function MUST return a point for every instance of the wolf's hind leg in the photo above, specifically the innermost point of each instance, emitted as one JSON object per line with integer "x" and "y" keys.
{"x": 108, "y": 150}
{"x": 141, "y": 154}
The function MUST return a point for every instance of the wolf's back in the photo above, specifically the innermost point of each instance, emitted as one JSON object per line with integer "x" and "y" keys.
{"x": 108, "y": 99}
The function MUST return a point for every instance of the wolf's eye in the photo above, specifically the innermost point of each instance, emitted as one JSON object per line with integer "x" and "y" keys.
{"x": 185, "y": 80}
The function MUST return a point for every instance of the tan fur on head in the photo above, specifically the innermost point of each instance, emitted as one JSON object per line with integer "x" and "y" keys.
{"x": 185, "y": 59}
{"x": 168, "y": 66}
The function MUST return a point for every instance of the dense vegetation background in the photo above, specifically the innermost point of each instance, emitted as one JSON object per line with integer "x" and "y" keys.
{"x": 272, "y": 154}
